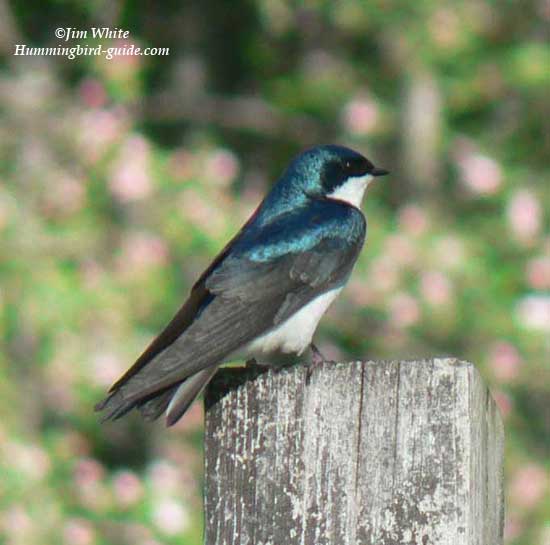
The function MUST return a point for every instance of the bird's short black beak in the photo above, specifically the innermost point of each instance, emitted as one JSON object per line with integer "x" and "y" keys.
{"x": 378, "y": 172}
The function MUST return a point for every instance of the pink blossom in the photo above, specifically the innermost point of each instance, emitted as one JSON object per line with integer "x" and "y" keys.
{"x": 130, "y": 177}
{"x": 533, "y": 312}
{"x": 127, "y": 488}
{"x": 400, "y": 249}
{"x": 141, "y": 250}
{"x": 436, "y": 288}
{"x": 106, "y": 368}
{"x": 480, "y": 173}
{"x": 528, "y": 485}
{"x": 383, "y": 275}
{"x": 183, "y": 457}
{"x": 66, "y": 196}
{"x": 543, "y": 9}
{"x": 16, "y": 523}
{"x": 202, "y": 212}
{"x": 88, "y": 470}
{"x": 413, "y": 220}
{"x": 503, "y": 402}
{"x": 524, "y": 215}
{"x": 78, "y": 531}
{"x": 505, "y": 361}
{"x": 221, "y": 167}
{"x": 92, "y": 93}
{"x": 361, "y": 292}
{"x": 538, "y": 273}
{"x": 170, "y": 517}
{"x": 88, "y": 483}
{"x": 181, "y": 165}
{"x": 404, "y": 310}
{"x": 360, "y": 115}
{"x": 98, "y": 130}
{"x": 165, "y": 477}
{"x": 28, "y": 459}
{"x": 122, "y": 66}
{"x": 512, "y": 527}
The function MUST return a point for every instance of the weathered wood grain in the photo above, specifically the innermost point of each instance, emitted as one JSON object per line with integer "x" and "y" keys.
{"x": 377, "y": 453}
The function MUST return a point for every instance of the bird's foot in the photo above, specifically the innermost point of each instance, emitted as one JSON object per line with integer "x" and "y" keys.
{"x": 251, "y": 363}
{"x": 317, "y": 359}
{"x": 255, "y": 367}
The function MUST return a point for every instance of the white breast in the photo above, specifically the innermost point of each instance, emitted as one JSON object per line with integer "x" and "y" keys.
{"x": 294, "y": 335}
{"x": 352, "y": 190}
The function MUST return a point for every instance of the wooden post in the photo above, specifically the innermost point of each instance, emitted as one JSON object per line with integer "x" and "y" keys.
{"x": 373, "y": 453}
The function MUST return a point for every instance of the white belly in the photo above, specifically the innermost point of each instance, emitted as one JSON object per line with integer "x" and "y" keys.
{"x": 294, "y": 335}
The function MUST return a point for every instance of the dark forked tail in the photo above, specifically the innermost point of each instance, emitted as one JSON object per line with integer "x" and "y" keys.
{"x": 174, "y": 401}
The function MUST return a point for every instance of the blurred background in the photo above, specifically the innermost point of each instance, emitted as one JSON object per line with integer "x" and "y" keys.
{"x": 120, "y": 179}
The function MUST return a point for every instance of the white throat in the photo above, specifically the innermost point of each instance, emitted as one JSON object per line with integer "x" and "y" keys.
{"x": 352, "y": 190}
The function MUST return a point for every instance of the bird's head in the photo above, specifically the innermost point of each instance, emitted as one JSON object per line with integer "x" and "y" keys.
{"x": 333, "y": 172}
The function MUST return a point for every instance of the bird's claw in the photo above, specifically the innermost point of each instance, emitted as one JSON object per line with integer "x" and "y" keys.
{"x": 251, "y": 363}
{"x": 317, "y": 359}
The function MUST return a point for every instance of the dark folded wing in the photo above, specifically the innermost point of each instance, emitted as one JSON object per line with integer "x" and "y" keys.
{"x": 198, "y": 297}
{"x": 240, "y": 299}
{"x": 179, "y": 323}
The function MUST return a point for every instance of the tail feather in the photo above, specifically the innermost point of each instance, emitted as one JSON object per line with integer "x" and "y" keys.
{"x": 187, "y": 392}
{"x": 174, "y": 401}
{"x": 152, "y": 408}
{"x": 114, "y": 406}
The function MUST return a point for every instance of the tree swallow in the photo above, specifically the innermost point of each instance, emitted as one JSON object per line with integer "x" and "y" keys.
{"x": 266, "y": 290}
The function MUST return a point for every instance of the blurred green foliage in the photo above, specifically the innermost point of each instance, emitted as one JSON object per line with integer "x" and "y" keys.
{"x": 120, "y": 179}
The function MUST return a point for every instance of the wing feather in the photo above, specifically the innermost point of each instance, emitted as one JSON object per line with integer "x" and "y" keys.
{"x": 243, "y": 296}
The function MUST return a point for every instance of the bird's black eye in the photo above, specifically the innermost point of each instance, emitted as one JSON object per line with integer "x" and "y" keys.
{"x": 357, "y": 167}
